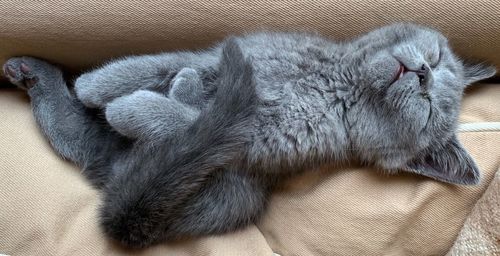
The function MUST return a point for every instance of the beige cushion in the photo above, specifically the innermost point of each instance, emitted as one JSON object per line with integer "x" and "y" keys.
{"x": 480, "y": 234}
{"x": 48, "y": 207}
{"x": 357, "y": 211}
{"x": 82, "y": 33}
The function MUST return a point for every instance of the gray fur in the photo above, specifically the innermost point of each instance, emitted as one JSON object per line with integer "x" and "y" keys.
{"x": 150, "y": 115}
{"x": 187, "y": 88}
{"x": 297, "y": 101}
{"x": 143, "y": 114}
{"x": 152, "y": 72}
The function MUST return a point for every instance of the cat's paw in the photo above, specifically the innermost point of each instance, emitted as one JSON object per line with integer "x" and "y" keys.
{"x": 184, "y": 76}
{"x": 187, "y": 88}
{"x": 88, "y": 92}
{"x": 27, "y": 72}
{"x": 146, "y": 114}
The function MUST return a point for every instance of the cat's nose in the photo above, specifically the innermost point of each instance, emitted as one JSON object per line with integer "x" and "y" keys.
{"x": 424, "y": 75}
{"x": 423, "y": 72}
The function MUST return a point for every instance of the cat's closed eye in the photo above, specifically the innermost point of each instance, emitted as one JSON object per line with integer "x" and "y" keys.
{"x": 434, "y": 58}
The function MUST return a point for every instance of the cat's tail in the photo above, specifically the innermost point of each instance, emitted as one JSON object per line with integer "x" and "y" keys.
{"x": 141, "y": 203}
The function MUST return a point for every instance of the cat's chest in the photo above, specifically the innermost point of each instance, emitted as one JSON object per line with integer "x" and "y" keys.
{"x": 297, "y": 118}
{"x": 295, "y": 129}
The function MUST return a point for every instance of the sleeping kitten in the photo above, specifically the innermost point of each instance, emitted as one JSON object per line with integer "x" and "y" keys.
{"x": 194, "y": 142}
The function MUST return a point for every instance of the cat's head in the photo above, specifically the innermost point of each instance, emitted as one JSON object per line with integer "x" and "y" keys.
{"x": 408, "y": 94}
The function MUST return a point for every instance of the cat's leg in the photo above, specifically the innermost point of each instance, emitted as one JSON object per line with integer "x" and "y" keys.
{"x": 149, "y": 115}
{"x": 153, "y": 72}
{"x": 173, "y": 181}
{"x": 75, "y": 132}
{"x": 152, "y": 116}
{"x": 228, "y": 201}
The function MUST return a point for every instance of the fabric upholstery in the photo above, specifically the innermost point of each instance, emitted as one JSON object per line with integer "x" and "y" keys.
{"x": 481, "y": 232}
{"x": 79, "y": 34}
{"x": 47, "y": 208}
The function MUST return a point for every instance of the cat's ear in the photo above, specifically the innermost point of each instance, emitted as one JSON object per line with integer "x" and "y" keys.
{"x": 449, "y": 163}
{"x": 477, "y": 72}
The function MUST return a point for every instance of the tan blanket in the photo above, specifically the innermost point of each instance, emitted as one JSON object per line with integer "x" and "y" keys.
{"x": 481, "y": 232}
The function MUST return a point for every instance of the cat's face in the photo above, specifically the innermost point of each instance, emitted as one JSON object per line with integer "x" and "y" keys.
{"x": 408, "y": 97}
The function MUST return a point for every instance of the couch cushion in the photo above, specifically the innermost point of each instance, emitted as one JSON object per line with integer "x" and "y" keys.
{"x": 480, "y": 234}
{"x": 78, "y": 34}
{"x": 49, "y": 209}
{"x": 357, "y": 211}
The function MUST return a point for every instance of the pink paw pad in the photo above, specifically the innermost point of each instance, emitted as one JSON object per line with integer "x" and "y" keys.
{"x": 19, "y": 73}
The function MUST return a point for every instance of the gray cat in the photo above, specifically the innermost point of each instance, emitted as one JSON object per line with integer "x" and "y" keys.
{"x": 192, "y": 143}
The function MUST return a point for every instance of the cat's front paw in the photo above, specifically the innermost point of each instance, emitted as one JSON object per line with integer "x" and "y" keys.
{"x": 87, "y": 91}
{"x": 27, "y": 72}
{"x": 187, "y": 88}
{"x": 146, "y": 114}
{"x": 185, "y": 76}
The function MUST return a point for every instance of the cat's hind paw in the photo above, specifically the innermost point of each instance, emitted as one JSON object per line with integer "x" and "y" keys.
{"x": 25, "y": 72}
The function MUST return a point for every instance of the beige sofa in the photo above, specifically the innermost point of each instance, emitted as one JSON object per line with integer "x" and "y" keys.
{"x": 47, "y": 208}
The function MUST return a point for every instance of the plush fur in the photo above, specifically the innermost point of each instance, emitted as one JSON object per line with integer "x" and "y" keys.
{"x": 192, "y": 143}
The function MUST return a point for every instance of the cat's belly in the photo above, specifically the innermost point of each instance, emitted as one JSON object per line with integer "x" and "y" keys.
{"x": 297, "y": 119}
{"x": 292, "y": 135}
